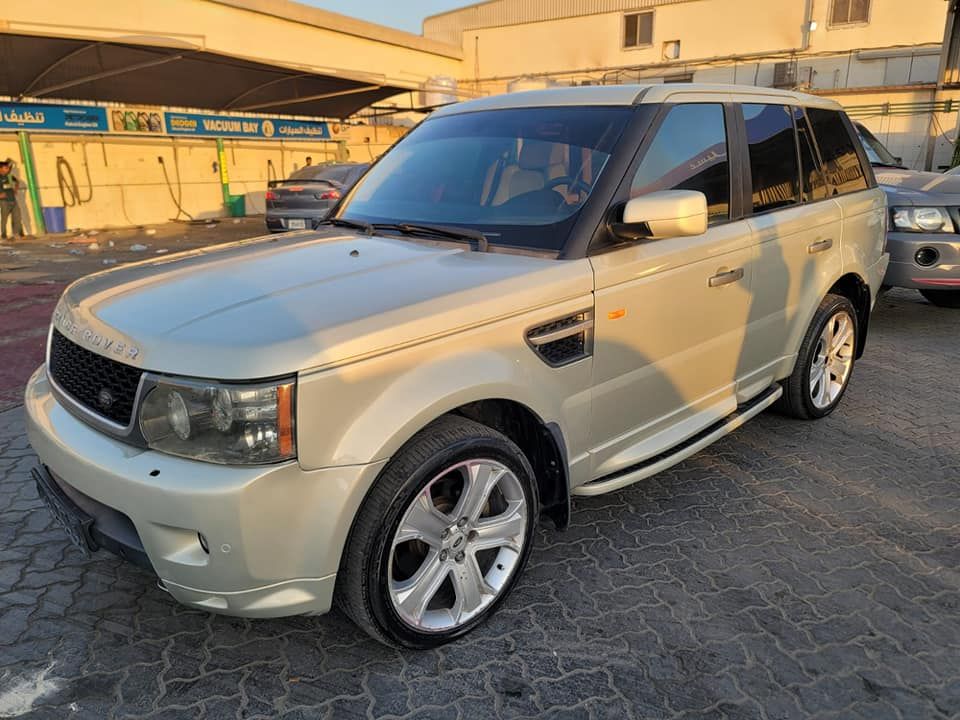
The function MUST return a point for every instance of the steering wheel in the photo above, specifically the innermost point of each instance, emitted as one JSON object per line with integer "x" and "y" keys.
{"x": 577, "y": 185}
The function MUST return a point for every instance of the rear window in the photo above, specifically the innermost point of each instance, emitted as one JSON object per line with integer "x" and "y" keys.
{"x": 814, "y": 184}
{"x": 773, "y": 156}
{"x": 328, "y": 173}
{"x": 841, "y": 163}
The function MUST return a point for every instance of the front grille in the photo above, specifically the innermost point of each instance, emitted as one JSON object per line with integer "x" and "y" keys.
{"x": 84, "y": 375}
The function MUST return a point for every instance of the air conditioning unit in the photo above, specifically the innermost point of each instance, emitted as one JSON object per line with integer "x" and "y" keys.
{"x": 785, "y": 74}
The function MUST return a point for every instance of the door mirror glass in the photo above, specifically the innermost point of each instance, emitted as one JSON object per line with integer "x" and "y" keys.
{"x": 664, "y": 214}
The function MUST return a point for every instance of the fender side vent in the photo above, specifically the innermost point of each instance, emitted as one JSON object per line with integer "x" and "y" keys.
{"x": 565, "y": 340}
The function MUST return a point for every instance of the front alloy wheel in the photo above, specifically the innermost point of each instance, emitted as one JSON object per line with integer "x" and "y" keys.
{"x": 441, "y": 537}
{"x": 457, "y": 545}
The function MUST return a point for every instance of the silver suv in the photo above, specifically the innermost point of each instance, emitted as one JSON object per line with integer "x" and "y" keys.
{"x": 530, "y": 297}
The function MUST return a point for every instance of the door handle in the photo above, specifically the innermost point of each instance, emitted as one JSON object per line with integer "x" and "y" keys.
{"x": 820, "y": 246}
{"x": 725, "y": 278}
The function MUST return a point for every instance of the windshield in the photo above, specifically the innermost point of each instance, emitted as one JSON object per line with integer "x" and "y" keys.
{"x": 877, "y": 154}
{"x": 519, "y": 176}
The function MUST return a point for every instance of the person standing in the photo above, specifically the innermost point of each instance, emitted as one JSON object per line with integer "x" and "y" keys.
{"x": 309, "y": 161}
{"x": 9, "y": 184}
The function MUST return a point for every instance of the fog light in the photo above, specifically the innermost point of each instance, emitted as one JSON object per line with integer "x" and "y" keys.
{"x": 926, "y": 256}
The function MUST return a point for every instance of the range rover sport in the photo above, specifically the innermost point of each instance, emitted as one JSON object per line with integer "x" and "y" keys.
{"x": 530, "y": 297}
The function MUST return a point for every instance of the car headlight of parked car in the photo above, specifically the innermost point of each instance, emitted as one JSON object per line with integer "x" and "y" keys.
{"x": 922, "y": 219}
{"x": 227, "y": 423}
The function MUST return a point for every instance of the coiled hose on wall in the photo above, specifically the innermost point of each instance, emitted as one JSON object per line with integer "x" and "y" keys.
{"x": 178, "y": 197}
{"x": 69, "y": 190}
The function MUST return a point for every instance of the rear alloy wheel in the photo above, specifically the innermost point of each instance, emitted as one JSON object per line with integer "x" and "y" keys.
{"x": 824, "y": 363}
{"x": 943, "y": 298}
{"x": 441, "y": 537}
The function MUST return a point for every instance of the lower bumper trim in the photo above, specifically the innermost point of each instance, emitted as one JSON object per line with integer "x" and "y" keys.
{"x": 90, "y": 524}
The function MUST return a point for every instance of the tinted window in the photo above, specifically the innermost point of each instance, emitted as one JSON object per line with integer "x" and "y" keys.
{"x": 814, "y": 186}
{"x": 689, "y": 153}
{"x": 521, "y": 176}
{"x": 841, "y": 164}
{"x": 773, "y": 156}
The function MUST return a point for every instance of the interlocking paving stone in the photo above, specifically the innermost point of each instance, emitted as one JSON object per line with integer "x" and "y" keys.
{"x": 792, "y": 570}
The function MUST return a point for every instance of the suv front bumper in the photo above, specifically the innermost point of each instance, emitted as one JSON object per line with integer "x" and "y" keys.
{"x": 274, "y": 533}
{"x": 904, "y": 271}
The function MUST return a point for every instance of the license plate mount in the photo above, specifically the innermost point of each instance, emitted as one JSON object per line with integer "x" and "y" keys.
{"x": 296, "y": 224}
{"x": 75, "y": 523}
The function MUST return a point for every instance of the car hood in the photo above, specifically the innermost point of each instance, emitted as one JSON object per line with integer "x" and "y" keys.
{"x": 908, "y": 187}
{"x": 275, "y": 305}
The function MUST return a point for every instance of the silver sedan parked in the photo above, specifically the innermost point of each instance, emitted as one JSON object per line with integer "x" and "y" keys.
{"x": 306, "y": 197}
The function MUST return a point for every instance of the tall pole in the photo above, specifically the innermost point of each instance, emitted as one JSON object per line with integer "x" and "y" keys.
{"x": 945, "y": 60}
{"x": 30, "y": 175}
{"x": 224, "y": 174}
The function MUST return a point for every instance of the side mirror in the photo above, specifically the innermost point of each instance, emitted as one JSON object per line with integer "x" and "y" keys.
{"x": 664, "y": 214}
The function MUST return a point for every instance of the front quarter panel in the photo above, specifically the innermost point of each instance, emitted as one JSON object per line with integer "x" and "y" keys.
{"x": 365, "y": 410}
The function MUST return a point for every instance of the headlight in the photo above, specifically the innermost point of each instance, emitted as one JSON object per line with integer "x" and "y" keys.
{"x": 226, "y": 423}
{"x": 922, "y": 219}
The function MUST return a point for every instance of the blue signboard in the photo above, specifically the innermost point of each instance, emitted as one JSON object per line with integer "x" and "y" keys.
{"x": 197, "y": 124}
{"x": 52, "y": 118}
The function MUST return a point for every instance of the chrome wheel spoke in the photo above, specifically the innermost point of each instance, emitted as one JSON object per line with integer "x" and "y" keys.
{"x": 505, "y": 530}
{"x": 422, "y": 522}
{"x": 470, "y": 588}
{"x": 817, "y": 373}
{"x": 414, "y": 594}
{"x": 481, "y": 479}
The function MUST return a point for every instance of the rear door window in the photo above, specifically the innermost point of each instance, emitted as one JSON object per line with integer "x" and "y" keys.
{"x": 841, "y": 163}
{"x": 689, "y": 152}
{"x": 773, "y": 157}
{"x": 811, "y": 177}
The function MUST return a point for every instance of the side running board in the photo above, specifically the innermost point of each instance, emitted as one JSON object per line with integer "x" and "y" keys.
{"x": 678, "y": 453}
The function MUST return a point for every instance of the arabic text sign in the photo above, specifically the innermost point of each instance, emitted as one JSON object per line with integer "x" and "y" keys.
{"x": 31, "y": 116}
{"x": 245, "y": 127}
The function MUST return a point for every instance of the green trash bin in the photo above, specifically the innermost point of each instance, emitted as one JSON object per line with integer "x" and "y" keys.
{"x": 237, "y": 206}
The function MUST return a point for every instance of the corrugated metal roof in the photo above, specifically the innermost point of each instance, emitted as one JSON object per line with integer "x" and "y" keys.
{"x": 449, "y": 26}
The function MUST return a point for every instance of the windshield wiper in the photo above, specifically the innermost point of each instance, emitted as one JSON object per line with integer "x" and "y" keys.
{"x": 354, "y": 224}
{"x": 483, "y": 245}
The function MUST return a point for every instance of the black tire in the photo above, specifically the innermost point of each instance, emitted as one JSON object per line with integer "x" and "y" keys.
{"x": 362, "y": 583}
{"x": 943, "y": 298}
{"x": 796, "y": 400}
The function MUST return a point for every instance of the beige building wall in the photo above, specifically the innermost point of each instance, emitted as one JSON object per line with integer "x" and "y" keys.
{"x": 126, "y": 182}
{"x": 708, "y": 31}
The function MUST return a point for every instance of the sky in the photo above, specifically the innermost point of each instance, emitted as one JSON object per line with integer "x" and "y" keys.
{"x": 403, "y": 14}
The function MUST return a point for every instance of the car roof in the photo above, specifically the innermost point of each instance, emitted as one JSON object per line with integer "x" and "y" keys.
{"x": 626, "y": 95}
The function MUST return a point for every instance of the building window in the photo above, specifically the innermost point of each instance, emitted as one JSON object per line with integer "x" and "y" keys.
{"x": 846, "y": 12}
{"x": 638, "y": 29}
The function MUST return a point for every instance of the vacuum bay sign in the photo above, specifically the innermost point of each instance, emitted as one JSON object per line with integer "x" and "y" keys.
{"x": 196, "y": 124}
{"x": 40, "y": 117}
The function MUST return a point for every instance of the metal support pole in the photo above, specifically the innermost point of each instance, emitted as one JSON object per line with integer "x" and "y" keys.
{"x": 30, "y": 175}
{"x": 224, "y": 174}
